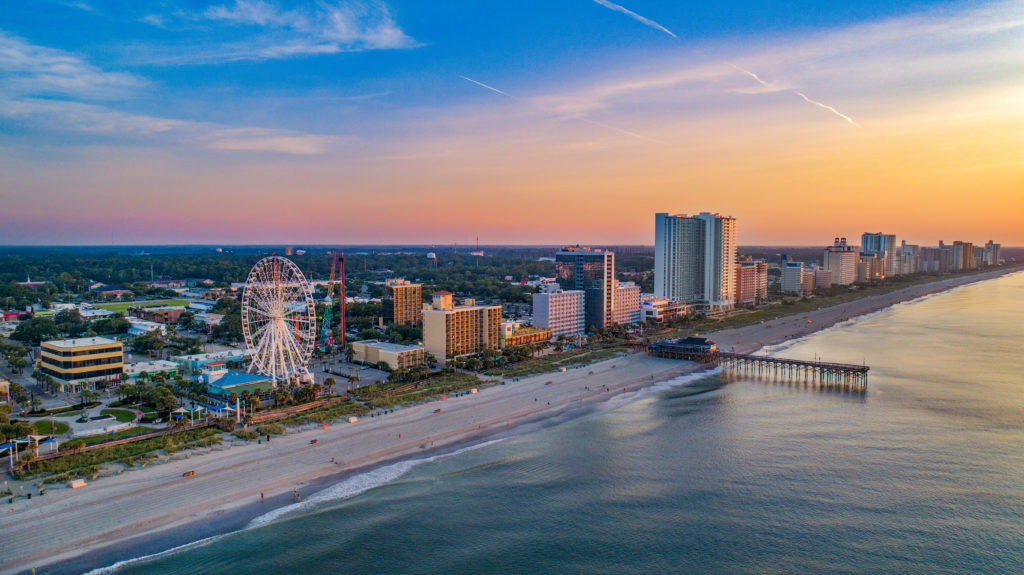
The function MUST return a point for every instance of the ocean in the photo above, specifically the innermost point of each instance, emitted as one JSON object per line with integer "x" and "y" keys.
{"x": 923, "y": 473}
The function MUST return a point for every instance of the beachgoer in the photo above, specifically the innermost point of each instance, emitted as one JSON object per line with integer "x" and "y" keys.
{"x": 261, "y": 496}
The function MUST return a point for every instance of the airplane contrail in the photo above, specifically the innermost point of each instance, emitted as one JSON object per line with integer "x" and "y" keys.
{"x": 827, "y": 107}
{"x": 800, "y": 94}
{"x": 491, "y": 88}
{"x": 751, "y": 74}
{"x": 580, "y": 118}
{"x": 637, "y": 17}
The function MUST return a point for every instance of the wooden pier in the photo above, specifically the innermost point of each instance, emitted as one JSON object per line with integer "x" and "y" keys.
{"x": 822, "y": 373}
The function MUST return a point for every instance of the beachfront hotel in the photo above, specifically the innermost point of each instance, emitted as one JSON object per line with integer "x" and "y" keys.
{"x": 591, "y": 270}
{"x": 841, "y": 260}
{"x": 451, "y": 331}
{"x": 77, "y": 364}
{"x": 883, "y": 246}
{"x": 695, "y": 260}
{"x": 561, "y": 311}
{"x": 403, "y": 302}
{"x": 625, "y": 303}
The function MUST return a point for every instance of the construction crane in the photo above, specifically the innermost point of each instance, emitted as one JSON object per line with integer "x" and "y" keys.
{"x": 326, "y": 338}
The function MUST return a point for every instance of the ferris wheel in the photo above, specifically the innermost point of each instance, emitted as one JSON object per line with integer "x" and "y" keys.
{"x": 278, "y": 319}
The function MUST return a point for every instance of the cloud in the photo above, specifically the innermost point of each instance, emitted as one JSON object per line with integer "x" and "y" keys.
{"x": 270, "y": 32}
{"x": 37, "y": 70}
{"x": 83, "y": 118}
{"x": 635, "y": 16}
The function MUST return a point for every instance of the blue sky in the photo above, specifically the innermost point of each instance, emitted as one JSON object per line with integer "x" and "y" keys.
{"x": 353, "y": 101}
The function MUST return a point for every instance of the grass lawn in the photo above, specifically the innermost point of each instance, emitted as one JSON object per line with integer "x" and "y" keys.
{"x": 321, "y": 414}
{"x": 43, "y": 426}
{"x": 123, "y": 306}
{"x": 138, "y": 430}
{"x": 122, "y": 415}
{"x": 69, "y": 413}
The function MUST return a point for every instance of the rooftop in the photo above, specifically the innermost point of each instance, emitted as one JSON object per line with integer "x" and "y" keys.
{"x": 80, "y": 342}
{"x": 388, "y": 346}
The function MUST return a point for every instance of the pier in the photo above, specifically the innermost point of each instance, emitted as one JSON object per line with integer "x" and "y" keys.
{"x": 822, "y": 373}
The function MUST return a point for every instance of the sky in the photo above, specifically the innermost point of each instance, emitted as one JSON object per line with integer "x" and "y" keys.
{"x": 518, "y": 122}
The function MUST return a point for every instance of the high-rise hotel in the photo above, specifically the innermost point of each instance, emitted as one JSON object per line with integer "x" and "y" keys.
{"x": 403, "y": 302}
{"x": 451, "y": 331}
{"x": 591, "y": 270}
{"x": 695, "y": 260}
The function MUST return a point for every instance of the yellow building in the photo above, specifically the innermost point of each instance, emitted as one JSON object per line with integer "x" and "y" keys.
{"x": 450, "y": 331}
{"x": 5, "y": 391}
{"x": 396, "y": 356}
{"x": 80, "y": 363}
{"x": 525, "y": 336}
{"x": 403, "y": 302}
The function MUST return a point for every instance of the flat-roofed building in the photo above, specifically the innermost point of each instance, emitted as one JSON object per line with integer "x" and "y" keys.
{"x": 792, "y": 278}
{"x": 653, "y": 308}
{"x": 450, "y": 331}
{"x": 5, "y": 391}
{"x": 695, "y": 259}
{"x": 993, "y": 253}
{"x": 961, "y": 256}
{"x": 200, "y": 361}
{"x": 593, "y": 271}
{"x": 403, "y": 302}
{"x": 525, "y": 336}
{"x": 560, "y": 311}
{"x": 162, "y": 313}
{"x": 822, "y": 278}
{"x": 144, "y": 326}
{"x": 397, "y": 356}
{"x": 884, "y": 246}
{"x": 870, "y": 268}
{"x": 221, "y": 383}
{"x": 81, "y": 363}
{"x": 167, "y": 369}
{"x": 626, "y": 303}
{"x": 842, "y": 260}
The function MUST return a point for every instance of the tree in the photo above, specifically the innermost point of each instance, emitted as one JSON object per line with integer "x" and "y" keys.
{"x": 163, "y": 399}
{"x": 187, "y": 320}
{"x": 329, "y": 383}
{"x": 35, "y": 403}
{"x": 35, "y": 330}
{"x": 146, "y": 343}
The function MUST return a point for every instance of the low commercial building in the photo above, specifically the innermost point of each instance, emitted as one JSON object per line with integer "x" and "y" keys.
{"x": 200, "y": 361}
{"x": 77, "y": 364}
{"x": 451, "y": 331}
{"x": 397, "y": 356}
{"x": 210, "y": 319}
{"x": 525, "y": 336}
{"x": 560, "y": 311}
{"x": 143, "y": 326}
{"x": 221, "y": 383}
{"x": 162, "y": 313}
{"x": 168, "y": 369}
{"x": 659, "y": 309}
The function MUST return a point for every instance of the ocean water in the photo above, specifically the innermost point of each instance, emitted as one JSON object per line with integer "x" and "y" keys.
{"x": 923, "y": 473}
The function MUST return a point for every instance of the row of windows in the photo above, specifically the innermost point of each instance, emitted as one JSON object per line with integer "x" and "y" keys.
{"x": 82, "y": 363}
{"x": 85, "y": 375}
{"x": 79, "y": 353}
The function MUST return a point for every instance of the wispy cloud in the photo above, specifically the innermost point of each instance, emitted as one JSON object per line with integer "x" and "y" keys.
{"x": 635, "y": 16}
{"x": 38, "y": 70}
{"x": 83, "y": 118}
{"x": 571, "y": 117}
{"x": 276, "y": 33}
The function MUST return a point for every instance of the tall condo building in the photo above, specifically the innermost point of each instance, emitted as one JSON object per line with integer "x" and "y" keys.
{"x": 792, "y": 278}
{"x": 403, "y": 302}
{"x": 562, "y": 312}
{"x": 450, "y": 331}
{"x": 841, "y": 260}
{"x": 993, "y": 253}
{"x": 961, "y": 256}
{"x": 751, "y": 281}
{"x": 695, "y": 259}
{"x": 591, "y": 270}
{"x": 883, "y": 246}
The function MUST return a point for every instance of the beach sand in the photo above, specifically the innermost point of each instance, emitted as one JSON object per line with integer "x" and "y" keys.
{"x": 151, "y": 509}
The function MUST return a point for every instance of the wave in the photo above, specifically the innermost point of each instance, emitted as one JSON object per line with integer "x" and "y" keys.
{"x": 345, "y": 489}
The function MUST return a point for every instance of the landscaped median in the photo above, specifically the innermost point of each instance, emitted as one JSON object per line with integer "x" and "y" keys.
{"x": 391, "y": 394}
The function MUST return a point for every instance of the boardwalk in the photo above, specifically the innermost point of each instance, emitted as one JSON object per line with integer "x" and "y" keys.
{"x": 822, "y": 373}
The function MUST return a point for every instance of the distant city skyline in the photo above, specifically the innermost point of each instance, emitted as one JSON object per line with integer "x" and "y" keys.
{"x": 400, "y": 122}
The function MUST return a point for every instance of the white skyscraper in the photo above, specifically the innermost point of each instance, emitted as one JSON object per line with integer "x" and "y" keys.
{"x": 695, "y": 259}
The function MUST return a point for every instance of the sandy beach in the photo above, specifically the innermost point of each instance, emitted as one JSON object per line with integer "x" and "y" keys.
{"x": 145, "y": 505}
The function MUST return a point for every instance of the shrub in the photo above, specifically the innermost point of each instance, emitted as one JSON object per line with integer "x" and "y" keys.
{"x": 246, "y": 434}
{"x": 270, "y": 429}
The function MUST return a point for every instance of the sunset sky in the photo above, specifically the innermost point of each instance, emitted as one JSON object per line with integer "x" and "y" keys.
{"x": 526, "y": 122}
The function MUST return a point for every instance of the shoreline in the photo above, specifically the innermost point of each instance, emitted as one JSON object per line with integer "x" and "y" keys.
{"x": 165, "y": 511}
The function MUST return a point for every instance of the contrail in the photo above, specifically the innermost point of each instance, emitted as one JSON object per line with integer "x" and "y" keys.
{"x": 827, "y": 107}
{"x": 751, "y": 74}
{"x": 637, "y": 17}
{"x": 801, "y": 94}
{"x": 580, "y": 118}
{"x": 491, "y": 88}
